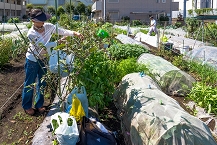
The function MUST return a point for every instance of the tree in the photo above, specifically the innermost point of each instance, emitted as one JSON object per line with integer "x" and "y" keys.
{"x": 51, "y": 10}
{"x": 69, "y": 8}
{"x": 60, "y": 10}
{"x": 39, "y": 7}
{"x": 88, "y": 10}
{"x": 80, "y": 9}
{"x": 29, "y": 6}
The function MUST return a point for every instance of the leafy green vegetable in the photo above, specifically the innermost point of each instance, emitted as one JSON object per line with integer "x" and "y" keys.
{"x": 55, "y": 124}
{"x": 70, "y": 122}
{"x": 61, "y": 121}
{"x": 124, "y": 51}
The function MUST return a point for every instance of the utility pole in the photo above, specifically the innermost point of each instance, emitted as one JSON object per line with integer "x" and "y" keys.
{"x": 184, "y": 10}
{"x": 104, "y": 11}
{"x": 4, "y": 13}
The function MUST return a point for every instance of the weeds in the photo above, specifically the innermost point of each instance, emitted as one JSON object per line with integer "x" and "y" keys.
{"x": 22, "y": 117}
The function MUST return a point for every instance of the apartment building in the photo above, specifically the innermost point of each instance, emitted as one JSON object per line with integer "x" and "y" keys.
{"x": 194, "y": 4}
{"x": 135, "y": 9}
{"x": 46, "y": 3}
{"x": 197, "y": 4}
{"x": 12, "y": 8}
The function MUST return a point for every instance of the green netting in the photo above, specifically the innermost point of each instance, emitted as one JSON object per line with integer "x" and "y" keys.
{"x": 172, "y": 80}
{"x": 150, "y": 117}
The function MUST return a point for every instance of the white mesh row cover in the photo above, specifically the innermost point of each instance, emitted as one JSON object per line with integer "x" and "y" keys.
{"x": 172, "y": 80}
{"x": 127, "y": 40}
{"x": 15, "y": 34}
{"x": 204, "y": 54}
{"x": 150, "y": 117}
{"x": 151, "y": 40}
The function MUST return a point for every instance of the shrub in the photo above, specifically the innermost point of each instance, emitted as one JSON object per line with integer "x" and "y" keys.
{"x": 53, "y": 20}
{"x": 164, "y": 18}
{"x": 4, "y": 18}
{"x": 14, "y": 20}
{"x": 120, "y": 31}
{"x": 29, "y": 25}
{"x": 178, "y": 24}
{"x": 136, "y": 22}
{"x": 5, "y": 51}
{"x": 127, "y": 66}
{"x": 97, "y": 75}
{"x": 125, "y": 18}
{"x": 24, "y": 17}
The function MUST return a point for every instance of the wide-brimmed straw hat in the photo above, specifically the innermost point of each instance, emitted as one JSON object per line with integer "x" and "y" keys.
{"x": 39, "y": 15}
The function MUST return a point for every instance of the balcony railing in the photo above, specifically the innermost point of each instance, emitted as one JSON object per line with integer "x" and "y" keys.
{"x": 9, "y": 6}
{"x": 97, "y": 6}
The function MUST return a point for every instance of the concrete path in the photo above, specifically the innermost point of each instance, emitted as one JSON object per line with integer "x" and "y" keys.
{"x": 179, "y": 42}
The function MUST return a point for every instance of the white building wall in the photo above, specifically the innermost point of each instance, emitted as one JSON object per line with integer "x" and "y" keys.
{"x": 190, "y": 4}
{"x": 181, "y": 4}
{"x": 214, "y": 4}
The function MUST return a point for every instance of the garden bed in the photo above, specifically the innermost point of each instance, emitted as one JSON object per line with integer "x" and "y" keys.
{"x": 18, "y": 128}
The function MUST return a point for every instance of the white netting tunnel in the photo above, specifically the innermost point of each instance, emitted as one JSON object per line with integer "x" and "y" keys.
{"x": 171, "y": 79}
{"x": 150, "y": 117}
{"x": 204, "y": 54}
{"x": 127, "y": 40}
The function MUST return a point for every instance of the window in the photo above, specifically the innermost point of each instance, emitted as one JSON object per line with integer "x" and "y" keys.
{"x": 12, "y": 12}
{"x": 157, "y": 1}
{"x": 113, "y": 1}
{"x": 18, "y": 2}
{"x": 61, "y": 2}
{"x": 18, "y": 13}
{"x": 113, "y": 15}
{"x": 1, "y": 13}
{"x": 24, "y": 3}
{"x": 163, "y": 1}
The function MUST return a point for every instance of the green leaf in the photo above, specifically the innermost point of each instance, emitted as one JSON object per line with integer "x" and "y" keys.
{"x": 59, "y": 47}
{"x": 61, "y": 121}
{"x": 55, "y": 124}
{"x": 70, "y": 122}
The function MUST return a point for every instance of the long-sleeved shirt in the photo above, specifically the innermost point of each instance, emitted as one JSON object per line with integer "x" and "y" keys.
{"x": 153, "y": 23}
{"x": 37, "y": 38}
